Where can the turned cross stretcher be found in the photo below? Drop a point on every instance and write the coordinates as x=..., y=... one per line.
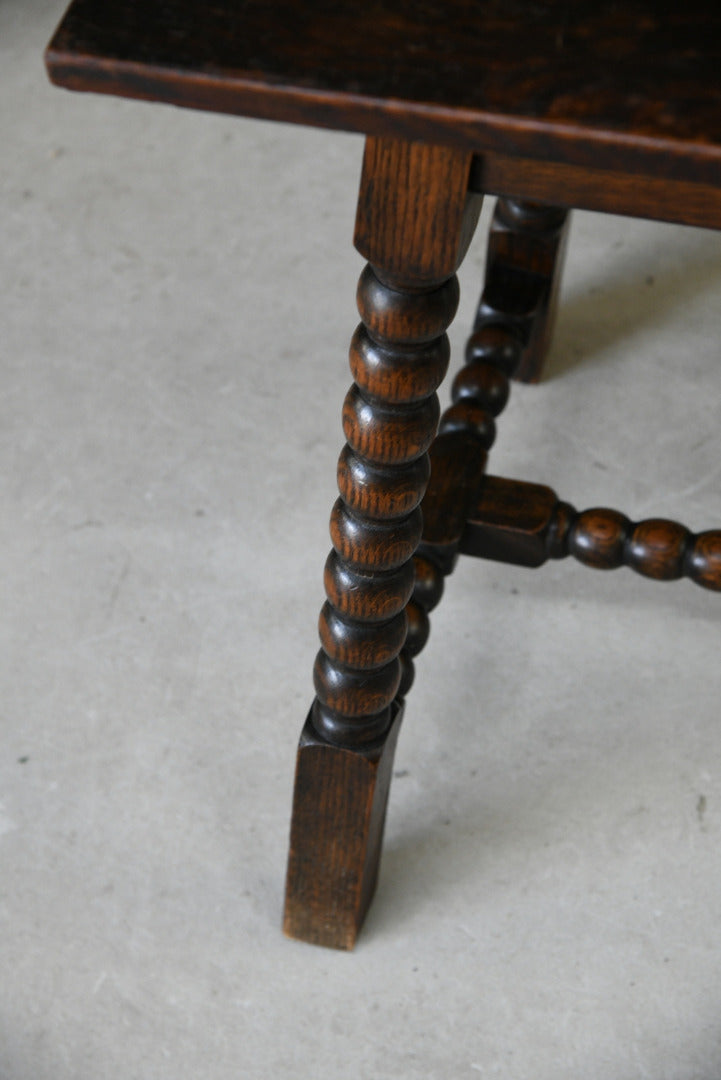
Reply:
x=549, y=106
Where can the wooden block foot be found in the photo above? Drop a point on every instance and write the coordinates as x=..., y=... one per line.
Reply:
x=339, y=810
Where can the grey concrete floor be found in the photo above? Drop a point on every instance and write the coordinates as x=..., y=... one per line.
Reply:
x=176, y=298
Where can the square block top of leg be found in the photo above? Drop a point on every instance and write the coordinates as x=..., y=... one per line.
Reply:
x=633, y=87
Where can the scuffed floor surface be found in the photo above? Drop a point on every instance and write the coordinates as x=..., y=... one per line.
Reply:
x=177, y=296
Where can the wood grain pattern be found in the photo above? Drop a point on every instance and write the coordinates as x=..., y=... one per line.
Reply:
x=634, y=85
x=397, y=177
x=516, y=522
x=336, y=837
x=458, y=461
x=526, y=251
x=602, y=105
x=527, y=524
x=415, y=216
x=609, y=190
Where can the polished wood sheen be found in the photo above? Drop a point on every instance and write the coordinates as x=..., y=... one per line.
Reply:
x=415, y=219
x=605, y=85
x=527, y=524
x=612, y=190
x=606, y=106
x=510, y=339
x=338, y=794
x=524, y=263
x=389, y=423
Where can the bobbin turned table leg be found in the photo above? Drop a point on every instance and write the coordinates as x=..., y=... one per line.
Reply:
x=414, y=222
x=526, y=252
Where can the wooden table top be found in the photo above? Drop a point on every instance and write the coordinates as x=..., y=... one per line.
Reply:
x=633, y=85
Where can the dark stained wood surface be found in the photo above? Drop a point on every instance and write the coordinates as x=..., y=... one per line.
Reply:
x=609, y=190
x=527, y=524
x=399, y=355
x=414, y=220
x=524, y=263
x=634, y=86
x=336, y=836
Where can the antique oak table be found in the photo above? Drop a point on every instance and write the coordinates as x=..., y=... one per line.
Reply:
x=603, y=106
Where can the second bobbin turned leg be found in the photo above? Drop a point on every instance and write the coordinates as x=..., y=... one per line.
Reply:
x=526, y=251
x=415, y=220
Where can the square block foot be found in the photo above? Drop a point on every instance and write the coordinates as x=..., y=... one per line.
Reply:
x=339, y=810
